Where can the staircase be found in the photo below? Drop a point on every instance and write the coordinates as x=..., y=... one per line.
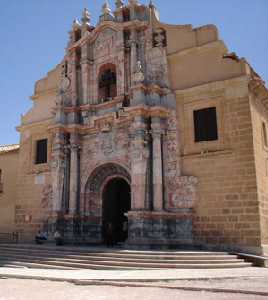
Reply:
x=75, y=258
x=7, y=237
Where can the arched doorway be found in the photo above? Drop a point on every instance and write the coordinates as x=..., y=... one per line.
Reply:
x=116, y=202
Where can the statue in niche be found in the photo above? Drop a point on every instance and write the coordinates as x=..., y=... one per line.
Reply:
x=159, y=38
x=64, y=87
x=138, y=75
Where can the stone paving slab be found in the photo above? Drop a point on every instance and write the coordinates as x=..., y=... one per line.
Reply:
x=19, y=289
x=132, y=275
x=208, y=285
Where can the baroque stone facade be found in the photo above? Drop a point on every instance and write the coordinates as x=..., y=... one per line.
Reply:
x=126, y=143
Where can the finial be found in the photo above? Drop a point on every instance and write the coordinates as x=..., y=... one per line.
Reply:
x=106, y=13
x=119, y=4
x=151, y=5
x=76, y=23
x=106, y=8
x=86, y=16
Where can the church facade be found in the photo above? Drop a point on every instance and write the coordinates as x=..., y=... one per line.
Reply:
x=152, y=128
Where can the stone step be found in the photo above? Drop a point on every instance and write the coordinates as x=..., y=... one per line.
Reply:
x=81, y=259
x=146, y=265
x=118, y=256
x=33, y=256
x=36, y=264
x=67, y=264
x=29, y=264
x=73, y=266
x=106, y=250
x=121, y=253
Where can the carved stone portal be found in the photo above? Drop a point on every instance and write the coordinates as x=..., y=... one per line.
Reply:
x=100, y=174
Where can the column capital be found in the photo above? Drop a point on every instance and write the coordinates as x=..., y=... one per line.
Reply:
x=75, y=147
x=156, y=134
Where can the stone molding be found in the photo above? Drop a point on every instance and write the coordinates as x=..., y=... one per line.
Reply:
x=99, y=174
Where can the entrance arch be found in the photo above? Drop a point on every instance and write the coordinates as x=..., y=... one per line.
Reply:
x=104, y=183
x=116, y=202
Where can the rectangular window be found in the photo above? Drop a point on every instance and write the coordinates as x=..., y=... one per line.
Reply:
x=205, y=124
x=264, y=134
x=41, y=152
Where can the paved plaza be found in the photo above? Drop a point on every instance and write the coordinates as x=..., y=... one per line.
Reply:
x=21, y=289
x=242, y=283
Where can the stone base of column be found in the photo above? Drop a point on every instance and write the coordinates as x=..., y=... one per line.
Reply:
x=160, y=229
x=77, y=229
x=92, y=230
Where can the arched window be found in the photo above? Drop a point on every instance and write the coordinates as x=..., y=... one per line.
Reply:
x=107, y=83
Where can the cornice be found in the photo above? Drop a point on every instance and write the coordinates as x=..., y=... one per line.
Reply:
x=98, y=124
x=212, y=85
x=87, y=107
x=44, y=93
x=205, y=47
x=46, y=122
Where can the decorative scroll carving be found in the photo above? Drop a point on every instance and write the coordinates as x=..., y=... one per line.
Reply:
x=47, y=193
x=182, y=193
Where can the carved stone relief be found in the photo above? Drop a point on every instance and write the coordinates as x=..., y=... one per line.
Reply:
x=182, y=193
x=108, y=145
x=105, y=43
x=98, y=177
x=46, y=200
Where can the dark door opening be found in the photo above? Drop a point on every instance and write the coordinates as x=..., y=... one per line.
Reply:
x=116, y=202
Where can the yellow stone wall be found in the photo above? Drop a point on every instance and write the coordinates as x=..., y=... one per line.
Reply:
x=227, y=208
x=8, y=165
x=260, y=117
x=33, y=183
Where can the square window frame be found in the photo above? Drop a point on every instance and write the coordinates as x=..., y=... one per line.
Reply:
x=210, y=139
x=188, y=129
x=36, y=144
x=39, y=168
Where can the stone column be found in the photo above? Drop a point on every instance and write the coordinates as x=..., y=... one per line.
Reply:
x=73, y=79
x=157, y=164
x=139, y=165
x=57, y=170
x=85, y=74
x=74, y=173
x=133, y=54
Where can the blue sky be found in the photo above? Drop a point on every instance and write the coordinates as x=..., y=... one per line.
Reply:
x=34, y=34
